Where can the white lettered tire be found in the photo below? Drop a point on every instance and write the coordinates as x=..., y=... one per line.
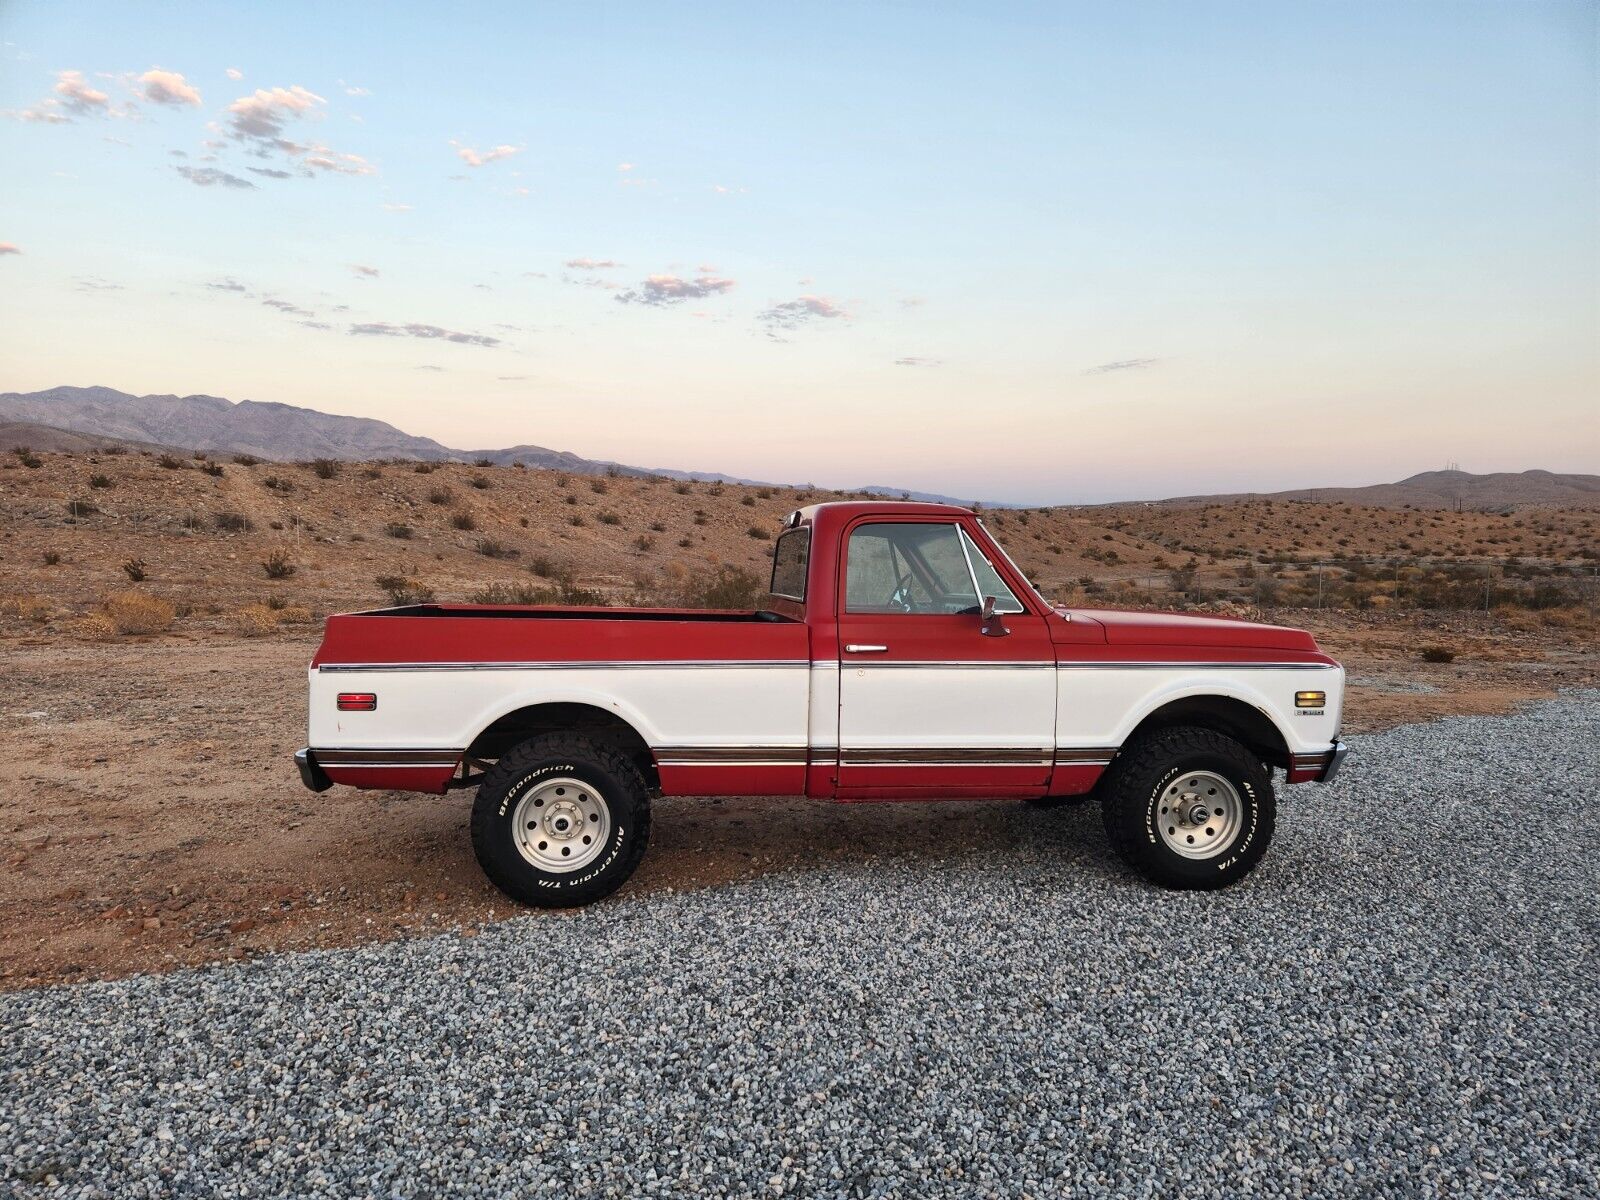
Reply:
x=1189, y=808
x=560, y=821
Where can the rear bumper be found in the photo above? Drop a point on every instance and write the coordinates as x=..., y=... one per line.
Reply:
x=311, y=772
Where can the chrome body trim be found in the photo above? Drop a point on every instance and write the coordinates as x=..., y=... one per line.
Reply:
x=617, y=665
x=1201, y=666
x=768, y=664
x=388, y=757
x=943, y=756
x=731, y=756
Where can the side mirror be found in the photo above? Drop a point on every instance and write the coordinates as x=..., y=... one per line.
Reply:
x=992, y=626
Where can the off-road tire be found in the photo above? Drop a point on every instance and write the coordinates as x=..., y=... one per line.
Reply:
x=1143, y=772
x=521, y=771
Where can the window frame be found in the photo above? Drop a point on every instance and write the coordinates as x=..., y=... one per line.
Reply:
x=805, y=566
x=969, y=547
x=844, y=565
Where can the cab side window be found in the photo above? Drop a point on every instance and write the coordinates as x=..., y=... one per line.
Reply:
x=908, y=568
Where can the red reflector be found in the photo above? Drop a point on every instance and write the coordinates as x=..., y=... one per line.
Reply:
x=357, y=701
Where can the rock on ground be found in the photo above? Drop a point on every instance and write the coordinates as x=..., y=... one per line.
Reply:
x=1400, y=1002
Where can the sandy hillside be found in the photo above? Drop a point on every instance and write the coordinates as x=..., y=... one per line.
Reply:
x=149, y=813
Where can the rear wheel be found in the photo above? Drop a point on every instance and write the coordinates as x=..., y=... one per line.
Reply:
x=1189, y=808
x=560, y=821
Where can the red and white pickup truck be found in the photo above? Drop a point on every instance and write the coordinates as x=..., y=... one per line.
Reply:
x=901, y=656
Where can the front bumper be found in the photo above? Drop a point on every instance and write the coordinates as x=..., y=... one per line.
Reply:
x=311, y=772
x=1335, y=761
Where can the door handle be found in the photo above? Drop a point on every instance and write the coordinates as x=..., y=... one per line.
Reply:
x=862, y=648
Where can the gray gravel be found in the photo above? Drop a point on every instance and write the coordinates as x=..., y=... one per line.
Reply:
x=1400, y=1002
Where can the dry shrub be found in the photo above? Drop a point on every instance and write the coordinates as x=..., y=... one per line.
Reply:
x=95, y=626
x=295, y=614
x=254, y=620
x=1529, y=620
x=138, y=612
x=25, y=608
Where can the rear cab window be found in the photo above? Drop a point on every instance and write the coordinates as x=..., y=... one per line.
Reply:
x=790, y=558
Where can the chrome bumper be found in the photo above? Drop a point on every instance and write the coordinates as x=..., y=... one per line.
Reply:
x=1335, y=761
x=311, y=772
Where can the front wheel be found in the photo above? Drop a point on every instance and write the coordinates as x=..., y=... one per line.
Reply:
x=560, y=821
x=1189, y=808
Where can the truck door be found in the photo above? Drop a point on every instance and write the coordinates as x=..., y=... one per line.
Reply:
x=929, y=705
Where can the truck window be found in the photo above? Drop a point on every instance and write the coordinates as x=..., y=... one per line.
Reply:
x=909, y=568
x=789, y=559
x=989, y=581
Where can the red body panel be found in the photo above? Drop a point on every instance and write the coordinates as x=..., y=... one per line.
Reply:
x=470, y=638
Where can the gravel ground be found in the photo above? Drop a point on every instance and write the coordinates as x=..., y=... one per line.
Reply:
x=1399, y=1002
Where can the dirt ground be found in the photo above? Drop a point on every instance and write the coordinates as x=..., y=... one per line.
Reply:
x=150, y=815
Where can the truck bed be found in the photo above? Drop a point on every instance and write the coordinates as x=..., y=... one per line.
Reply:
x=493, y=634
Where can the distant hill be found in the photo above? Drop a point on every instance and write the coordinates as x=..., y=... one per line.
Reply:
x=271, y=430
x=1441, y=489
x=53, y=440
x=75, y=419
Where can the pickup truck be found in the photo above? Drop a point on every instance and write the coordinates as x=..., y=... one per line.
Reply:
x=900, y=655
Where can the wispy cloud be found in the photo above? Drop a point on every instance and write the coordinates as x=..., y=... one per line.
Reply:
x=1122, y=364
x=226, y=285
x=592, y=264
x=917, y=360
x=661, y=290
x=805, y=310
x=397, y=208
x=480, y=158
x=335, y=162
x=283, y=306
x=77, y=95
x=234, y=74
x=9, y=248
x=263, y=116
x=168, y=87
x=363, y=271
x=425, y=332
x=260, y=123
x=212, y=177
x=270, y=172
x=74, y=97
x=93, y=283
x=428, y=367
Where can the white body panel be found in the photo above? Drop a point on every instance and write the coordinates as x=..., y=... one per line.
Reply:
x=822, y=704
x=690, y=705
x=1101, y=705
x=920, y=706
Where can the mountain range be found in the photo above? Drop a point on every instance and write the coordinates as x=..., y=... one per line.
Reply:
x=81, y=418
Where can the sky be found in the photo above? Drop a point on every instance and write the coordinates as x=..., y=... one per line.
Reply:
x=1034, y=254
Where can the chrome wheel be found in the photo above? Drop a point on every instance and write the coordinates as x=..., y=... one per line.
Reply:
x=1200, y=814
x=561, y=825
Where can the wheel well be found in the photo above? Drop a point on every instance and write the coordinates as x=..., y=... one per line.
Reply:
x=1238, y=720
x=595, y=723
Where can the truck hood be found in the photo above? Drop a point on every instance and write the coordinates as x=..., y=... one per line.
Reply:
x=1184, y=629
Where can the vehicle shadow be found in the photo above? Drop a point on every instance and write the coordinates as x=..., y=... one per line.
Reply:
x=702, y=843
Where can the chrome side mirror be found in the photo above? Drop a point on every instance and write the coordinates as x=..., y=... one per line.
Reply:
x=992, y=626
